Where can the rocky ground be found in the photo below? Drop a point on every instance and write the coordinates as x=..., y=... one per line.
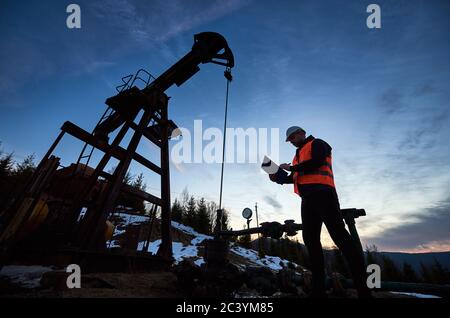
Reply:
x=146, y=285
x=246, y=275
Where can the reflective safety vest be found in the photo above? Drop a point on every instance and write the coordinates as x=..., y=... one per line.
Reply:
x=322, y=175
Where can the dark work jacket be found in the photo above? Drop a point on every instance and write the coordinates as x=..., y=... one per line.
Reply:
x=320, y=150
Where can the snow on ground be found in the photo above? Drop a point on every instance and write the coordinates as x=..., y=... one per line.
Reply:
x=113, y=244
x=129, y=219
x=126, y=220
x=272, y=262
x=416, y=295
x=152, y=246
x=180, y=252
x=189, y=230
x=118, y=232
x=26, y=276
x=199, y=262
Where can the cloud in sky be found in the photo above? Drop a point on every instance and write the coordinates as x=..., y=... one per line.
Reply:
x=163, y=19
x=403, y=172
x=392, y=101
x=419, y=231
x=273, y=202
x=109, y=31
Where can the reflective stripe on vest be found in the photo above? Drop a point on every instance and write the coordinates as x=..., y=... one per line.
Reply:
x=323, y=175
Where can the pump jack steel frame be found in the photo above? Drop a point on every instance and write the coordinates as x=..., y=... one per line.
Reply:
x=154, y=124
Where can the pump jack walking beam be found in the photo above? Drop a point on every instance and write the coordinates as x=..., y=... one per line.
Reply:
x=208, y=47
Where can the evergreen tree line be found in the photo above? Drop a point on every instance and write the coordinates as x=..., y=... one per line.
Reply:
x=433, y=273
x=292, y=250
x=197, y=213
x=13, y=176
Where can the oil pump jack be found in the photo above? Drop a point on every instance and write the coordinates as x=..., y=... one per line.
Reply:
x=51, y=202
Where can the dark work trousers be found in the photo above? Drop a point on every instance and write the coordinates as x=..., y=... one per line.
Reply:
x=323, y=207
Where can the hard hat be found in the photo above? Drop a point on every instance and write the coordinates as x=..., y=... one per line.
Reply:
x=291, y=130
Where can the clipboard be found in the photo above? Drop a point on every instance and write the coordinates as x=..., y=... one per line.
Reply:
x=271, y=167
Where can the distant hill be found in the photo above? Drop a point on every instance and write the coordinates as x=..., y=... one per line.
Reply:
x=416, y=258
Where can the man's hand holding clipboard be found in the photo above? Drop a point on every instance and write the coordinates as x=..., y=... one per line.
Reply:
x=276, y=174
